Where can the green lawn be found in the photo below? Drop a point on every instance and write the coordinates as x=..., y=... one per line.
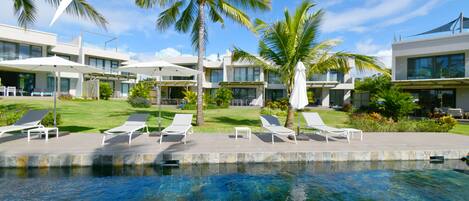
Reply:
x=96, y=116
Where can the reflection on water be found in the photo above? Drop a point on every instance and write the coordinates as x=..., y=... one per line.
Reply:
x=274, y=181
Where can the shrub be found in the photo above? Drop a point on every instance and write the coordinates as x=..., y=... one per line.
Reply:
x=374, y=123
x=194, y=107
x=374, y=84
x=281, y=104
x=66, y=97
x=347, y=107
x=105, y=90
x=393, y=104
x=141, y=89
x=190, y=96
x=48, y=120
x=223, y=97
x=139, y=102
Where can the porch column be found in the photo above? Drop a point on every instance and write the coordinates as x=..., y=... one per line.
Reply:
x=325, y=97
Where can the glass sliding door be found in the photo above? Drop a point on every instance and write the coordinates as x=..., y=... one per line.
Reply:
x=125, y=89
x=64, y=85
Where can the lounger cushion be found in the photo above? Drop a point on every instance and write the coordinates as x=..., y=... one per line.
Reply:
x=280, y=130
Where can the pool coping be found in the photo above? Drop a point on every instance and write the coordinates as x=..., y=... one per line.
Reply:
x=44, y=160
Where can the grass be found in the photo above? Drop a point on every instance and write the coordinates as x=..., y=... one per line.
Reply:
x=97, y=116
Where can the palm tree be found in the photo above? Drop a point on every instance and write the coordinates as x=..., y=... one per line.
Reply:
x=284, y=43
x=26, y=11
x=190, y=15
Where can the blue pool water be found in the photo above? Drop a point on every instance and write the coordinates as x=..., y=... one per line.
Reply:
x=310, y=181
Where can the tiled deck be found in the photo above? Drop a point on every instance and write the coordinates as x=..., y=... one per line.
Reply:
x=86, y=149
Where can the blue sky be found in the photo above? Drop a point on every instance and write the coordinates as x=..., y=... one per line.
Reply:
x=364, y=26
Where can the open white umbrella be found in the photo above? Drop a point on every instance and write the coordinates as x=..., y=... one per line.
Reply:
x=299, y=95
x=158, y=68
x=54, y=65
x=62, y=7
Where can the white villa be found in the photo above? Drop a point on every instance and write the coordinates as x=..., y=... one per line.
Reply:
x=18, y=43
x=434, y=69
x=251, y=85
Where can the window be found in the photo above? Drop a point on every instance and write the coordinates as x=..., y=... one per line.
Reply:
x=64, y=85
x=336, y=76
x=36, y=51
x=273, y=78
x=244, y=93
x=242, y=74
x=9, y=51
x=445, y=66
x=428, y=99
x=25, y=51
x=114, y=64
x=336, y=97
x=274, y=94
x=216, y=75
x=318, y=77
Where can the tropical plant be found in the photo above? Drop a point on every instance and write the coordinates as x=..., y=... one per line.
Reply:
x=223, y=97
x=105, y=90
x=139, y=102
x=141, y=89
x=373, y=84
x=393, y=103
x=26, y=11
x=190, y=15
x=190, y=96
x=284, y=43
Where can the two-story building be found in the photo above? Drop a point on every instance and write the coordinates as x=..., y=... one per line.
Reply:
x=253, y=85
x=435, y=70
x=18, y=43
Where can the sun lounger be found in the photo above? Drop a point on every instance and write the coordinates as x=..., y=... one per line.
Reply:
x=134, y=123
x=181, y=125
x=32, y=119
x=272, y=124
x=314, y=121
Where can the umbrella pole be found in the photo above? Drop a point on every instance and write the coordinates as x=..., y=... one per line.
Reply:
x=298, y=127
x=55, y=99
x=158, y=99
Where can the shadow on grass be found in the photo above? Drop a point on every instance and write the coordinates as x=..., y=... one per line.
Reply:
x=236, y=122
x=75, y=129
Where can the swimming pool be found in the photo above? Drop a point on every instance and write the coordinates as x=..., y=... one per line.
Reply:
x=307, y=181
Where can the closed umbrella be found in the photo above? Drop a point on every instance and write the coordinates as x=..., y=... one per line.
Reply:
x=54, y=65
x=158, y=68
x=299, y=95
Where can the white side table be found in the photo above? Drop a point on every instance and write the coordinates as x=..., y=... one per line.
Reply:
x=42, y=130
x=247, y=130
x=352, y=131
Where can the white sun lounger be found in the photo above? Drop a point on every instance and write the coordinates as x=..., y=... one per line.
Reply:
x=134, y=123
x=181, y=125
x=272, y=124
x=314, y=121
x=32, y=119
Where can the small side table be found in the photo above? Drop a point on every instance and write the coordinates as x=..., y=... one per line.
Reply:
x=42, y=130
x=247, y=130
x=351, y=131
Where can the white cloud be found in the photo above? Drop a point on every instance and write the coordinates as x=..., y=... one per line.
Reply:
x=363, y=18
x=167, y=52
x=215, y=57
x=368, y=47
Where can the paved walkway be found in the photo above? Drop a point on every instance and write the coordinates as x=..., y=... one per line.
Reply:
x=383, y=145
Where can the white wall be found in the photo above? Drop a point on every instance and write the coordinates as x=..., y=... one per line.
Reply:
x=462, y=98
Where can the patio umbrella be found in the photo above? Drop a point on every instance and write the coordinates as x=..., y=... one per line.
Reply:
x=158, y=68
x=54, y=65
x=299, y=95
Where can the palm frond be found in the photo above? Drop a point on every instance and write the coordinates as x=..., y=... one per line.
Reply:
x=243, y=56
x=81, y=8
x=168, y=16
x=195, y=34
x=26, y=12
x=184, y=23
x=214, y=14
x=252, y=4
x=234, y=13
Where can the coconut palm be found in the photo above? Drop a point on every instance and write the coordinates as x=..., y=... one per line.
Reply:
x=191, y=15
x=284, y=43
x=26, y=11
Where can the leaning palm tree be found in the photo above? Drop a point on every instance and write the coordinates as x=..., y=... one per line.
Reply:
x=26, y=11
x=284, y=43
x=190, y=15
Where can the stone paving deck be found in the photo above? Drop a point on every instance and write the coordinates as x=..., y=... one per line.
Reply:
x=86, y=149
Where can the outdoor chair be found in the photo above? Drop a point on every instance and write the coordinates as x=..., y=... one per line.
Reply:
x=3, y=90
x=181, y=125
x=314, y=121
x=32, y=119
x=456, y=112
x=11, y=90
x=134, y=123
x=272, y=125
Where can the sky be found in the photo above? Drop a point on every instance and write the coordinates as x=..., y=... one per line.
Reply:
x=364, y=26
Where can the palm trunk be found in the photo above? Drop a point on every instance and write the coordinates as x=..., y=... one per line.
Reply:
x=290, y=111
x=200, y=65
